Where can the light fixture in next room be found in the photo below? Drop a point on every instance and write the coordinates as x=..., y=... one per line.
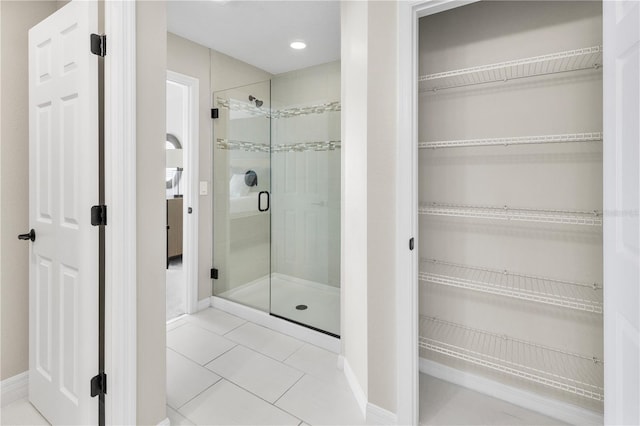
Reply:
x=298, y=45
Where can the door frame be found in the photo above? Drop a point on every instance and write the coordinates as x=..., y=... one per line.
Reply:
x=191, y=158
x=407, y=357
x=407, y=366
x=121, y=198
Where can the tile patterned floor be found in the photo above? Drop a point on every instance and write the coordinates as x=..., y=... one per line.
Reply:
x=223, y=370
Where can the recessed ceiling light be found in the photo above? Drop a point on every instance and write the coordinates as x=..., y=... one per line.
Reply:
x=298, y=45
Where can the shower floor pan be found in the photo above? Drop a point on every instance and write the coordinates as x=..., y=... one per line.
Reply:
x=322, y=301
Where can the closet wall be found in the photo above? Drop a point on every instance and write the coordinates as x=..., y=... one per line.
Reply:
x=555, y=176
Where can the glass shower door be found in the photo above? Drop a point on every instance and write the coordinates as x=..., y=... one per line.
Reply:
x=242, y=185
x=305, y=217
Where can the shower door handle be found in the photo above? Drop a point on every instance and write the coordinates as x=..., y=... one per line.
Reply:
x=260, y=201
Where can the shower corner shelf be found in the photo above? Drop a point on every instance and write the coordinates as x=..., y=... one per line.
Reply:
x=566, y=294
x=554, y=63
x=564, y=217
x=515, y=140
x=573, y=373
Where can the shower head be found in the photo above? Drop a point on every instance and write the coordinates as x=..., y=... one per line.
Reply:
x=256, y=100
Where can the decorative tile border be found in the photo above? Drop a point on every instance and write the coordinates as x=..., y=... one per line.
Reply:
x=308, y=146
x=249, y=108
x=307, y=110
x=233, y=145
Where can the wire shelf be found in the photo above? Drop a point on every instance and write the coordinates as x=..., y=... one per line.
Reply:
x=577, y=374
x=566, y=294
x=565, y=217
x=517, y=140
x=554, y=63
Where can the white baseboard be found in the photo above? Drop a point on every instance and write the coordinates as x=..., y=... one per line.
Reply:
x=308, y=335
x=165, y=422
x=379, y=416
x=204, y=304
x=14, y=388
x=373, y=414
x=549, y=407
x=361, y=397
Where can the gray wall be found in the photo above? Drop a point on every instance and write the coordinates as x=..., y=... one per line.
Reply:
x=16, y=18
x=381, y=202
x=353, y=273
x=151, y=80
x=369, y=53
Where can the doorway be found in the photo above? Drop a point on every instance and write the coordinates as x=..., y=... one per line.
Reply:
x=181, y=194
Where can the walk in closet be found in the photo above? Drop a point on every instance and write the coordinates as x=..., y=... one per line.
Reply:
x=510, y=197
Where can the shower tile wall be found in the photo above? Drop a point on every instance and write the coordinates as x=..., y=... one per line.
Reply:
x=305, y=174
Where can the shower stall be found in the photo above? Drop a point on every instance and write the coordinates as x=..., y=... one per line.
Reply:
x=276, y=197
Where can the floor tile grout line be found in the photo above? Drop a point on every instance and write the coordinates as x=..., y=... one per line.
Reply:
x=197, y=395
x=267, y=355
x=190, y=321
x=236, y=328
x=180, y=414
x=294, y=352
x=181, y=323
x=259, y=353
x=206, y=362
x=236, y=343
x=250, y=392
x=288, y=389
x=273, y=331
x=205, y=329
x=218, y=356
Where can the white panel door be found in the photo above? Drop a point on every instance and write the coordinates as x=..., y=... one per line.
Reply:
x=63, y=185
x=621, y=25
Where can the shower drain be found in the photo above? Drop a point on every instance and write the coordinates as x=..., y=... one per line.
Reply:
x=301, y=307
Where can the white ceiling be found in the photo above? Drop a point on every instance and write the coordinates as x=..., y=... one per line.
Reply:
x=259, y=32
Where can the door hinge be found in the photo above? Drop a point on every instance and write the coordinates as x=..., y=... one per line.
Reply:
x=215, y=113
x=98, y=384
x=99, y=215
x=411, y=244
x=99, y=44
x=214, y=274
